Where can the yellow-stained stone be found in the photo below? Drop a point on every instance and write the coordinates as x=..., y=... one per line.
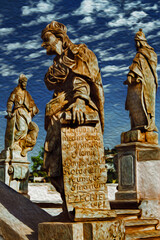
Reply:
x=152, y=137
x=98, y=230
x=84, y=172
x=93, y=214
x=138, y=136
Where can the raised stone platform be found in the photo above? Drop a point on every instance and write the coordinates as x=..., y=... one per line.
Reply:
x=139, y=179
x=138, y=136
x=14, y=170
x=82, y=231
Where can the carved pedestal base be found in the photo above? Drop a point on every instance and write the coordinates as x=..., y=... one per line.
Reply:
x=138, y=136
x=82, y=231
x=139, y=178
x=14, y=170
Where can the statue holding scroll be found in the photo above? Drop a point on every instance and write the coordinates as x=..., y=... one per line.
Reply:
x=79, y=99
x=142, y=86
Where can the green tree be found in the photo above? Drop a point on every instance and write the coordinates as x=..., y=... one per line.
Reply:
x=37, y=169
x=111, y=163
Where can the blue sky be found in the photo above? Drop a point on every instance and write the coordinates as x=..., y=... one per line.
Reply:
x=107, y=27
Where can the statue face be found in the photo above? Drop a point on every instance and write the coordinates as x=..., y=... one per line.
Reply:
x=52, y=44
x=23, y=85
x=138, y=45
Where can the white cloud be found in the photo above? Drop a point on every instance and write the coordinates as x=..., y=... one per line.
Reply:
x=29, y=75
x=106, y=88
x=7, y=70
x=86, y=7
x=98, y=7
x=47, y=18
x=87, y=19
x=116, y=57
x=121, y=45
x=41, y=7
x=130, y=5
x=138, y=14
x=6, y=31
x=34, y=55
x=47, y=63
x=3, y=113
x=150, y=7
x=123, y=21
x=111, y=10
x=31, y=44
x=113, y=68
x=147, y=26
x=158, y=67
x=13, y=46
x=95, y=37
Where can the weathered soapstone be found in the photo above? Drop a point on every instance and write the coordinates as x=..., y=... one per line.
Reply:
x=82, y=231
x=142, y=84
x=74, y=151
x=20, y=137
x=139, y=152
x=138, y=136
x=19, y=217
x=132, y=158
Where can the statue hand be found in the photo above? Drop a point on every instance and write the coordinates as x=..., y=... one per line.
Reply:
x=128, y=81
x=78, y=111
x=10, y=115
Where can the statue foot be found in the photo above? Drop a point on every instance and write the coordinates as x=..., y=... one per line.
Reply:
x=23, y=153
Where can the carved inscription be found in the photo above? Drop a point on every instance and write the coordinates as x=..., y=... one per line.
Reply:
x=84, y=169
x=127, y=170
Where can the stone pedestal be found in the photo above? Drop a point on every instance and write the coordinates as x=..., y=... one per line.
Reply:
x=139, y=175
x=14, y=170
x=82, y=231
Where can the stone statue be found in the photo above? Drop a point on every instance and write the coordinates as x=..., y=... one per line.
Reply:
x=78, y=95
x=21, y=132
x=142, y=85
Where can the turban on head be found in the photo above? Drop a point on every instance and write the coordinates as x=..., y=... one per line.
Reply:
x=55, y=28
x=140, y=36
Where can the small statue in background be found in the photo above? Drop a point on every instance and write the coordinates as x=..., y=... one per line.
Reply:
x=21, y=109
x=142, y=86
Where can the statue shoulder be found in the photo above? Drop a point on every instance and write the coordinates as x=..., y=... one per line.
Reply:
x=14, y=92
x=82, y=51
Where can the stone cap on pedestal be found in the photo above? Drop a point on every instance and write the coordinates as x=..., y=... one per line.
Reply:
x=145, y=151
x=138, y=136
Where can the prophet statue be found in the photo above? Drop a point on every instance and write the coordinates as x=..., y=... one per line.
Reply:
x=21, y=132
x=76, y=81
x=142, y=84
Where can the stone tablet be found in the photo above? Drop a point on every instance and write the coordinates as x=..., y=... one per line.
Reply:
x=84, y=171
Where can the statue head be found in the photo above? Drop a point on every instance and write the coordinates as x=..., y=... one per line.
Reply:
x=54, y=38
x=141, y=40
x=140, y=36
x=23, y=81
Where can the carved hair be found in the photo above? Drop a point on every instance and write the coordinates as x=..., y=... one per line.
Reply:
x=59, y=30
x=22, y=78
